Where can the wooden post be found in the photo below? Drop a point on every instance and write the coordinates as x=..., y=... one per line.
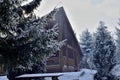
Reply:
x=55, y=78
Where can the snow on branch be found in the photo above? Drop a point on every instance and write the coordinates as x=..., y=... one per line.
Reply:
x=31, y=6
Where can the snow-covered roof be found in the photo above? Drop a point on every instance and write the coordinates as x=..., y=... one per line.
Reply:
x=39, y=75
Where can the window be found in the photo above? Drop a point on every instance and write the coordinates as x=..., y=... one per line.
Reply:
x=52, y=62
x=64, y=50
x=70, y=53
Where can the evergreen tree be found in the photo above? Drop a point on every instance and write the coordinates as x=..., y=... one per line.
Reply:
x=25, y=42
x=117, y=56
x=104, y=50
x=86, y=43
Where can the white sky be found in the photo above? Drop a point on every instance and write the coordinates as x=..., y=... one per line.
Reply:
x=85, y=14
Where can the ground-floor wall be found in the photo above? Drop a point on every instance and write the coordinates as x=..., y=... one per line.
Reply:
x=64, y=65
x=53, y=68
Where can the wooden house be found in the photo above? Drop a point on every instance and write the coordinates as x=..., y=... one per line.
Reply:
x=68, y=59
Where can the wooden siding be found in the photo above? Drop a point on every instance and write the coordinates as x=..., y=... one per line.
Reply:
x=70, y=54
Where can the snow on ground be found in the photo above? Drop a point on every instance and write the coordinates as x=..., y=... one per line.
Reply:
x=3, y=78
x=83, y=74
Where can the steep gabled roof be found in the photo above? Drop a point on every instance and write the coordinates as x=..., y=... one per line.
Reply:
x=63, y=22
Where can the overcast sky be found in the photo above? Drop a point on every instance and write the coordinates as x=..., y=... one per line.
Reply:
x=85, y=14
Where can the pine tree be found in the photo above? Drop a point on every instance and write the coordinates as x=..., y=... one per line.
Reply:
x=104, y=50
x=25, y=42
x=117, y=56
x=86, y=43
